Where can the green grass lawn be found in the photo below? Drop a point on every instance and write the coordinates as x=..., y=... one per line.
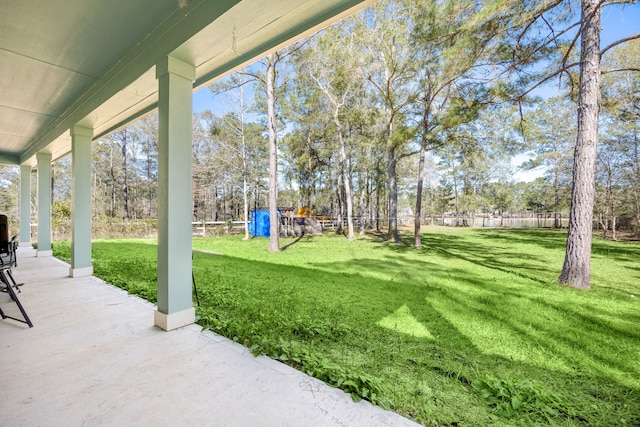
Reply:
x=471, y=330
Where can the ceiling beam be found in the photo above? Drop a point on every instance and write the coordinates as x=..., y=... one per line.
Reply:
x=306, y=28
x=168, y=36
x=8, y=159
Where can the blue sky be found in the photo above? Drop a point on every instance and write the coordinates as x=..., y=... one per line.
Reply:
x=618, y=21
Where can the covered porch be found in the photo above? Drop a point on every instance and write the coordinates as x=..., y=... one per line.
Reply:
x=73, y=71
x=94, y=357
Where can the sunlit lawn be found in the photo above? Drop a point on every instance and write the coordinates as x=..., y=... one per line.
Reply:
x=471, y=330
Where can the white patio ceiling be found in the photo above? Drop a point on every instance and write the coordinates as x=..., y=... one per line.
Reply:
x=67, y=62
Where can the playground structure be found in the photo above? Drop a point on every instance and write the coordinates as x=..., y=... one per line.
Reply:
x=302, y=222
x=292, y=222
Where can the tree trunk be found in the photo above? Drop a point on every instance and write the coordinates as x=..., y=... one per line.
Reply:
x=603, y=224
x=636, y=184
x=112, y=172
x=215, y=204
x=576, y=271
x=345, y=178
x=393, y=194
x=274, y=238
x=556, y=190
x=363, y=207
x=245, y=184
x=613, y=228
x=609, y=208
x=417, y=241
x=455, y=194
x=339, y=204
x=149, y=179
x=125, y=183
x=378, y=190
x=311, y=179
x=53, y=181
x=245, y=197
x=224, y=202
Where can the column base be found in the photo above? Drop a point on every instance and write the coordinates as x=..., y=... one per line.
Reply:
x=25, y=244
x=176, y=320
x=80, y=272
x=41, y=254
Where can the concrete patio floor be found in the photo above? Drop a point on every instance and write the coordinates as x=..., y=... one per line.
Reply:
x=94, y=358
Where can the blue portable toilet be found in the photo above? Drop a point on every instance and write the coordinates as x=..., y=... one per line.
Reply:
x=259, y=224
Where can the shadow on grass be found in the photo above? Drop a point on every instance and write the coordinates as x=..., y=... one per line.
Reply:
x=567, y=325
x=483, y=313
x=477, y=325
x=467, y=292
x=485, y=254
x=556, y=240
x=531, y=254
x=288, y=245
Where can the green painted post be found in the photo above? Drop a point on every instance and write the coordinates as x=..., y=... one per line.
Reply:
x=175, y=82
x=25, y=205
x=44, y=204
x=81, y=264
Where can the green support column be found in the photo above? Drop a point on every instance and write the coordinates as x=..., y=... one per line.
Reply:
x=175, y=82
x=25, y=205
x=44, y=204
x=81, y=264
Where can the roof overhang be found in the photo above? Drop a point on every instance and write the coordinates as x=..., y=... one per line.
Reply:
x=68, y=62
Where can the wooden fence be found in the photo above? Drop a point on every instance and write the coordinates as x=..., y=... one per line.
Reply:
x=199, y=228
